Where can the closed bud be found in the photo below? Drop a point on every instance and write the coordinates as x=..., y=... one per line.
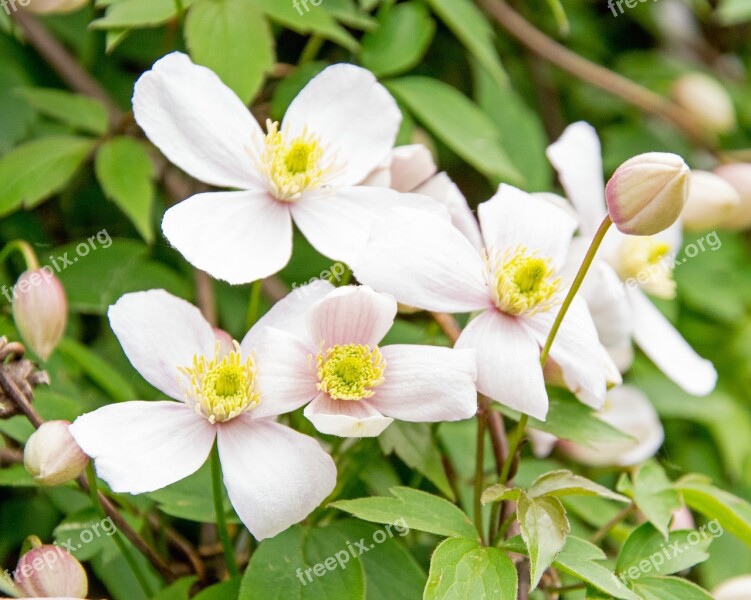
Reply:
x=40, y=310
x=52, y=456
x=54, y=6
x=707, y=101
x=710, y=201
x=51, y=572
x=647, y=193
x=739, y=176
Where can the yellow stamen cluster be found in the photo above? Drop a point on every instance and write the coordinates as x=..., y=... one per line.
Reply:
x=646, y=261
x=521, y=281
x=350, y=372
x=292, y=166
x=224, y=386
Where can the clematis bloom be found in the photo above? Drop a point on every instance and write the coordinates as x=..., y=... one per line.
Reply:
x=274, y=476
x=340, y=127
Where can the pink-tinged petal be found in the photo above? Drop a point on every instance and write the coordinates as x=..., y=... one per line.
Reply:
x=577, y=157
x=290, y=313
x=355, y=117
x=737, y=588
x=141, y=446
x=514, y=218
x=629, y=410
x=198, y=123
x=286, y=373
x=427, y=383
x=352, y=315
x=660, y=341
x=275, y=477
x=441, y=188
x=542, y=442
x=576, y=349
x=346, y=418
x=338, y=223
x=159, y=333
x=411, y=166
x=508, y=362
x=424, y=261
x=235, y=236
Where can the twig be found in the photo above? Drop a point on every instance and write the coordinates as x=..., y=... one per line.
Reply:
x=182, y=544
x=598, y=535
x=449, y=325
x=205, y=296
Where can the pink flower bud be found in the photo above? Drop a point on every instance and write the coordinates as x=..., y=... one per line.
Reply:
x=739, y=176
x=710, y=201
x=647, y=193
x=51, y=572
x=707, y=101
x=52, y=456
x=40, y=310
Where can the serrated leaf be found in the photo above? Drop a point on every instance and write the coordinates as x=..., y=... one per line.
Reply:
x=420, y=510
x=544, y=528
x=126, y=175
x=315, y=19
x=654, y=495
x=461, y=568
x=80, y=112
x=232, y=38
x=498, y=492
x=565, y=483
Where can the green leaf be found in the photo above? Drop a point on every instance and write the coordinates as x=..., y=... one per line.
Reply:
x=733, y=12
x=458, y=123
x=462, y=569
x=414, y=444
x=138, y=13
x=498, y=492
x=36, y=170
x=220, y=591
x=731, y=512
x=292, y=85
x=16, y=476
x=180, y=590
x=669, y=588
x=80, y=112
x=232, y=38
x=420, y=510
x=473, y=30
x=401, y=40
x=124, y=170
x=101, y=373
x=544, y=528
x=654, y=495
x=647, y=552
x=565, y=483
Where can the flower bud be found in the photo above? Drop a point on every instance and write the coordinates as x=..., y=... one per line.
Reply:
x=647, y=193
x=52, y=456
x=51, y=572
x=706, y=100
x=739, y=176
x=54, y=6
x=40, y=310
x=710, y=201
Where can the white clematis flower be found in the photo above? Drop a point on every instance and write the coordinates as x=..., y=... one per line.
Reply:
x=356, y=388
x=340, y=127
x=274, y=476
x=513, y=282
x=627, y=268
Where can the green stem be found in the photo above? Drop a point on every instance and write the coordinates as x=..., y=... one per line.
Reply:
x=504, y=526
x=29, y=256
x=603, y=531
x=479, y=469
x=514, y=440
x=121, y=545
x=221, y=520
x=254, y=303
x=311, y=49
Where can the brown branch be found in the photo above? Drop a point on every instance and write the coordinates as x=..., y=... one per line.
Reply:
x=448, y=324
x=182, y=544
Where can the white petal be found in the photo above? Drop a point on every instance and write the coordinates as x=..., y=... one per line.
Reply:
x=337, y=223
x=410, y=166
x=425, y=262
x=235, y=236
x=355, y=117
x=576, y=349
x=346, y=418
x=159, y=333
x=577, y=157
x=441, y=188
x=274, y=476
x=140, y=446
x=286, y=373
x=198, y=123
x=427, y=384
x=660, y=341
x=352, y=315
x=508, y=362
x=514, y=218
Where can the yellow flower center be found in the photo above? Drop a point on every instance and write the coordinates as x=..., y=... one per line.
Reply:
x=292, y=166
x=521, y=281
x=350, y=372
x=223, y=387
x=646, y=261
